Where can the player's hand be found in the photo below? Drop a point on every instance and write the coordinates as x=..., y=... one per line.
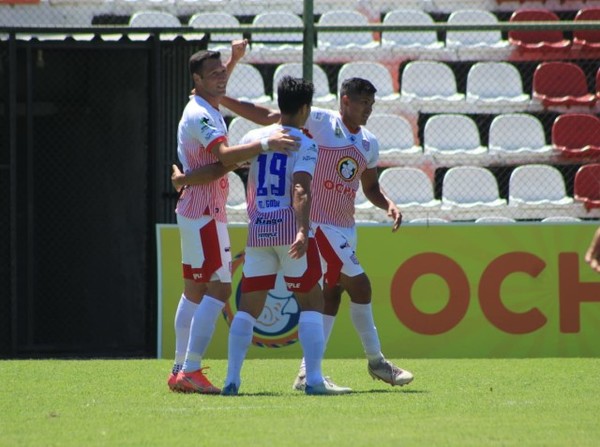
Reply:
x=177, y=178
x=592, y=256
x=238, y=49
x=282, y=141
x=299, y=247
x=396, y=215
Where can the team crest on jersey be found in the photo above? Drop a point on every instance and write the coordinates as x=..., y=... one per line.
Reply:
x=347, y=168
x=277, y=325
x=366, y=145
x=338, y=131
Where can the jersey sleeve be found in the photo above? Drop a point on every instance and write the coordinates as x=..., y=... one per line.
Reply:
x=373, y=152
x=317, y=121
x=307, y=157
x=206, y=130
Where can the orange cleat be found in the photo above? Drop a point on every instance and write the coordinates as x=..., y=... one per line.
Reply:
x=195, y=382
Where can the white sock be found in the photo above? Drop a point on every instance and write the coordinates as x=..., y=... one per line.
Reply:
x=183, y=321
x=310, y=333
x=328, y=321
x=201, y=331
x=240, y=337
x=362, y=318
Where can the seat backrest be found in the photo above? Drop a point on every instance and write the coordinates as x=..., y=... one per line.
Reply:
x=214, y=19
x=342, y=38
x=237, y=192
x=245, y=81
x=495, y=219
x=584, y=14
x=471, y=38
x=428, y=78
x=451, y=131
x=493, y=80
x=238, y=127
x=514, y=131
x=278, y=19
x=587, y=182
x=535, y=15
x=536, y=182
x=144, y=19
x=469, y=184
x=294, y=69
x=373, y=71
x=408, y=16
x=406, y=185
x=392, y=131
x=558, y=79
x=576, y=131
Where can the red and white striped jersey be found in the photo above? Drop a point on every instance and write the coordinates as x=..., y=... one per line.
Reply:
x=269, y=192
x=343, y=156
x=200, y=128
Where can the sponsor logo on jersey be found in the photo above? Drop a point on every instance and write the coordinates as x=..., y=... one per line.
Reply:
x=267, y=221
x=347, y=168
x=269, y=235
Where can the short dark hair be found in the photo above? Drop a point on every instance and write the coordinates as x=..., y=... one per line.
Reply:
x=197, y=59
x=293, y=93
x=357, y=86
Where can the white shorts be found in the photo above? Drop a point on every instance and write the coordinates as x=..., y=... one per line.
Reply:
x=337, y=246
x=205, y=249
x=261, y=265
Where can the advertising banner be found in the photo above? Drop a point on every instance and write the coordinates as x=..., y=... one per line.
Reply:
x=444, y=291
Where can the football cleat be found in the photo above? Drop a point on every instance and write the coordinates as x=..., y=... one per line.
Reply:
x=300, y=382
x=389, y=373
x=326, y=388
x=195, y=382
x=172, y=382
x=231, y=389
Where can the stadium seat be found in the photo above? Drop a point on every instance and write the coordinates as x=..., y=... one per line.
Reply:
x=561, y=84
x=218, y=41
x=544, y=40
x=474, y=39
x=246, y=84
x=363, y=209
x=284, y=41
x=496, y=84
x=238, y=127
x=429, y=82
x=560, y=219
x=587, y=39
x=597, y=84
x=495, y=219
x=375, y=72
x=410, y=189
x=236, y=200
x=538, y=191
x=577, y=135
x=470, y=192
x=158, y=19
x=517, y=138
x=587, y=186
x=344, y=39
x=409, y=39
x=396, y=139
x=453, y=139
x=322, y=97
x=429, y=221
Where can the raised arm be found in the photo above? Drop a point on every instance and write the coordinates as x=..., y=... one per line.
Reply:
x=253, y=112
x=238, y=50
x=301, y=200
x=200, y=176
x=373, y=192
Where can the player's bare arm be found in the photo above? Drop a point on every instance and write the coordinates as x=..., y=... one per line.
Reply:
x=200, y=176
x=592, y=256
x=253, y=112
x=238, y=50
x=301, y=200
x=373, y=192
x=280, y=141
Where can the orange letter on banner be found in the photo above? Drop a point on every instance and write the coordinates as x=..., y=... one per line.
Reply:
x=489, y=293
x=458, y=302
x=572, y=292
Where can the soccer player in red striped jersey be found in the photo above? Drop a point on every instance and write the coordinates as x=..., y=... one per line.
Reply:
x=201, y=213
x=348, y=155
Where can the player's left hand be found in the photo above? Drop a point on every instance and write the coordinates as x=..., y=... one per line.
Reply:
x=238, y=49
x=177, y=178
x=592, y=256
x=396, y=215
x=299, y=247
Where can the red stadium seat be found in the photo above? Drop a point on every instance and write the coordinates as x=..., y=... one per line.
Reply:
x=577, y=135
x=587, y=39
x=561, y=84
x=544, y=40
x=587, y=186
